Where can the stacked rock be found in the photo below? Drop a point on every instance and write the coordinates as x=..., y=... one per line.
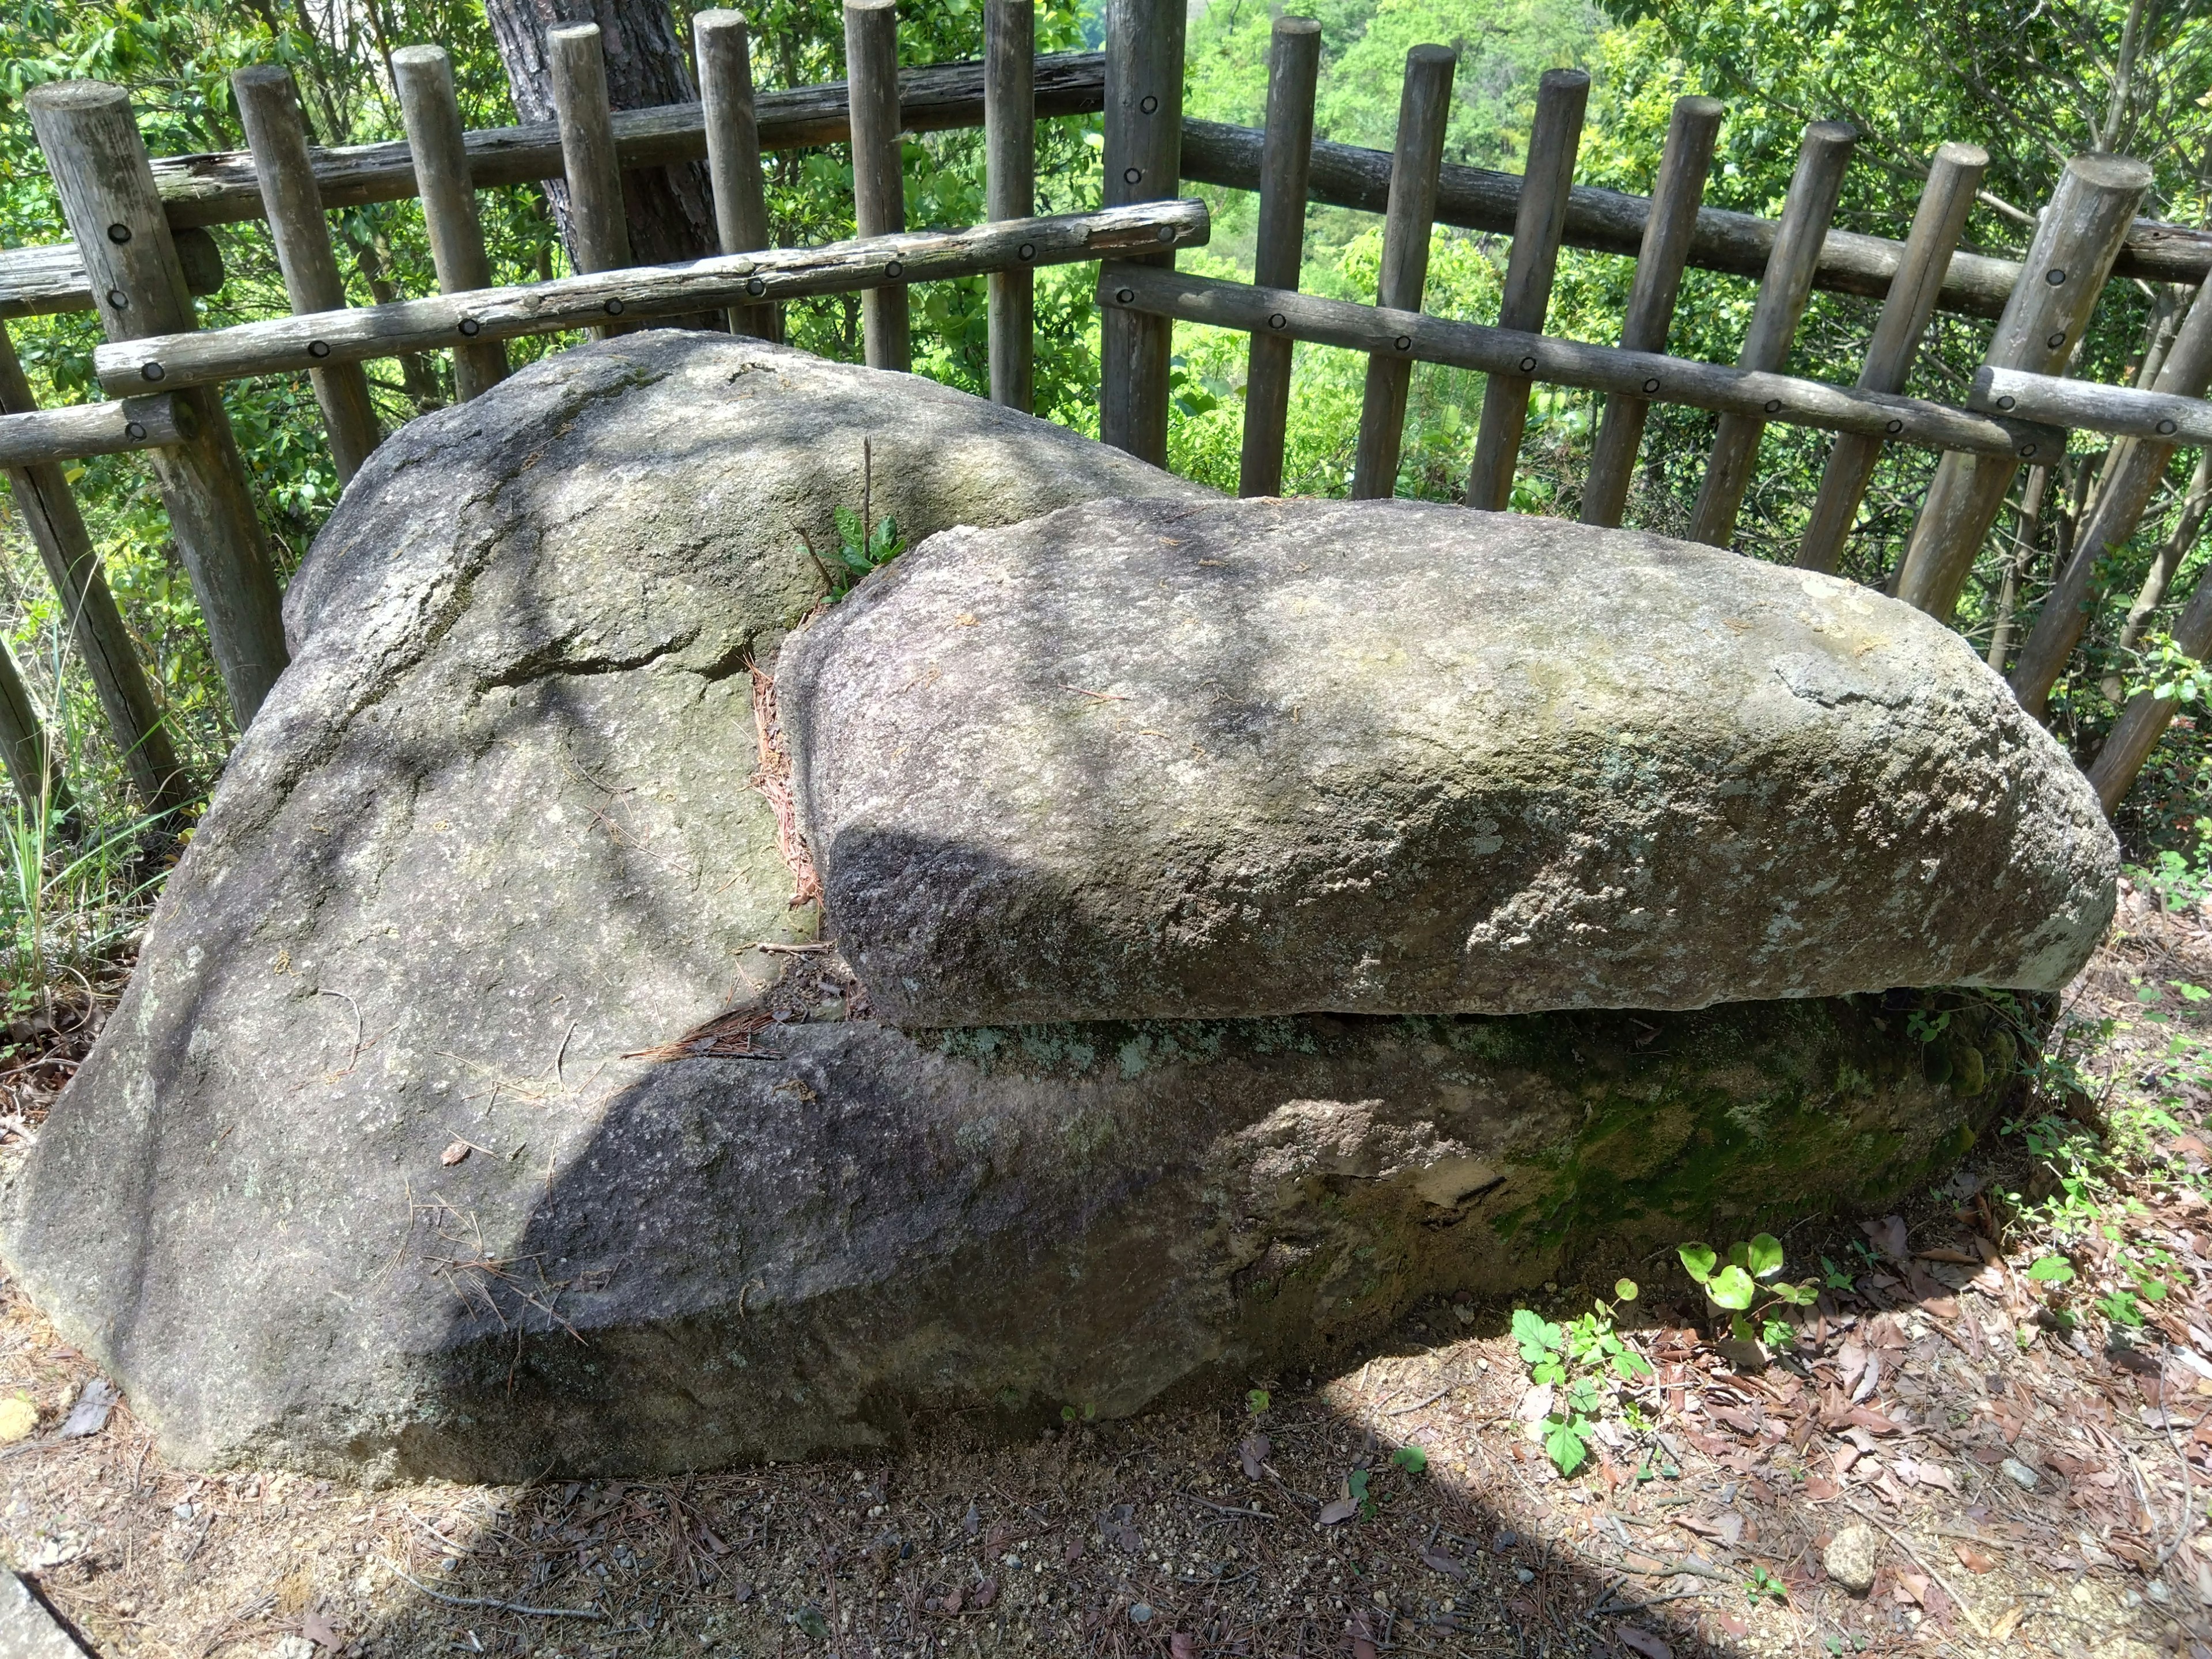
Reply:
x=1236, y=922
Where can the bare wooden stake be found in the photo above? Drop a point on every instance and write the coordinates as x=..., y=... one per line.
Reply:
x=58, y=531
x=269, y=105
x=1424, y=112
x=32, y=766
x=734, y=157
x=432, y=111
x=1144, y=160
x=2146, y=717
x=1783, y=292
x=2030, y=516
x=1691, y=133
x=1938, y=224
x=878, y=177
x=76, y=430
x=2067, y=263
x=2130, y=482
x=99, y=169
x=1293, y=71
x=1010, y=189
x=1553, y=142
x=596, y=215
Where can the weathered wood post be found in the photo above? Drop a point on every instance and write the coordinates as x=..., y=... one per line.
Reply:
x=588, y=156
x=1676, y=195
x=1286, y=164
x=1010, y=189
x=2129, y=483
x=2146, y=717
x=33, y=767
x=438, y=143
x=1937, y=224
x=269, y=105
x=2068, y=261
x=1424, y=112
x=1782, y=291
x=106, y=183
x=1554, y=140
x=724, y=49
x=878, y=177
x=58, y=531
x=1144, y=159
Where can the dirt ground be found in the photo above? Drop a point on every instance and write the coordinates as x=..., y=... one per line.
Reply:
x=2035, y=1467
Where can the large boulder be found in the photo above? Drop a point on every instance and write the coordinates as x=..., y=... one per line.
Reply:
x=1140, y=759
x=452, y=1124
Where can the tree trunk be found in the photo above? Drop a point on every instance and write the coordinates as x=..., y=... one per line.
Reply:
x=669, y=210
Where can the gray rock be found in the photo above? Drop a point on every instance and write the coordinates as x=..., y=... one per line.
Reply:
x=679, y=1264
x=1135, y=760
x=1849, y=1557
x=27, y=1630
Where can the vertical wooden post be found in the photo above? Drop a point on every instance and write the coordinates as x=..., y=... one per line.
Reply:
x=1286, y=164
x=269, y=105
x=1783, y=292
x=106, y=183
x=2068, y=261
x=725, y=52
x=2129, y=482
x=1144, y=158
x=878, y=180
x=1938, y=224
x=1009, y=188
x=26, y=749
x=436, y=140
x=1553, y=142
x=1424, y=112
x=2146, y=717
x=1676, y=196
x=50, y=514
x=587, y=155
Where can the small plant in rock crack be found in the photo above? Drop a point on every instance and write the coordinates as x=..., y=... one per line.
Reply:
x=1581, y=1361
x=863, y=541
x=1747, y=1288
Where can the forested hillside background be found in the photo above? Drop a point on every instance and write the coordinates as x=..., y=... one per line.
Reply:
x=2032, y=82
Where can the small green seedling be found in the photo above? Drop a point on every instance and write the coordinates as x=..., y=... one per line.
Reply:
x=1746, y=1286
x=1411, y=1458
x=1257, y=1403
x=1582, y=1360
x=1764, y=1583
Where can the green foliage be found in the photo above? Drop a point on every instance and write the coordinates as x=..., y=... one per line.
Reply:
x=1583, y=1360
x=1411, y=1458
x=1257, y=1402
x=1746, y=1287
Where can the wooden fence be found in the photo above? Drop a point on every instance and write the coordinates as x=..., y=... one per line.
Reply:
x=140, y=252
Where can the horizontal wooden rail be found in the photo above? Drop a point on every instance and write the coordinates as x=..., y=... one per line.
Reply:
x=35, y=282
x=2181, y=422
x=286, y=344
x=1647, y=374
x=220, y=188
x=76, y=430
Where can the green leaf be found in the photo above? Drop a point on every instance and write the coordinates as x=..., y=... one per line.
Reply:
x=1356, y=1484
x=2052, y=1270
x=1698, y=1259
x=1625, y=1289
x=1732, y=1287
x=1256, y=1402
x=1632, y=1365
x=1764, y=1253
x=1739, y=1255
x=1411, y=1458
x=1537, y=1335
x=1547, y=1370
x=1565, y=1447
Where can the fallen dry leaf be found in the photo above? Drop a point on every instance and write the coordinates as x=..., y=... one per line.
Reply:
x=454, y=1153
x=1342, y=1508
x=1972, y=1558
x=1643, y=1642
x=2006, y=1623
x=1888, y=1236
x=318, y=1628
x=1252, y=1452
x=1437, y=1561
x=1182, y=1645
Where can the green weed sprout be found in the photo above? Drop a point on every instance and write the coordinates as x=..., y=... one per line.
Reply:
x=1747, y=1287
